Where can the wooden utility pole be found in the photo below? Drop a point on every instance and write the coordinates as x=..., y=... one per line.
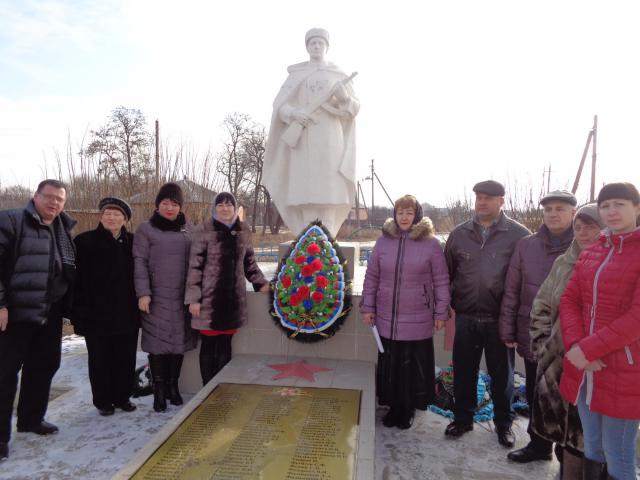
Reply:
x=548, y=175
x=590, y=138
x=157, y=153
x=373, y=179
x=358, y=204
x=361, y=197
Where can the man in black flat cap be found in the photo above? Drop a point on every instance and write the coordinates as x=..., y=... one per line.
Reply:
x=478, y=253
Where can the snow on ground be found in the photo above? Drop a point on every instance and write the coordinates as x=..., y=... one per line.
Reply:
x=423, y=453
x=89, y=446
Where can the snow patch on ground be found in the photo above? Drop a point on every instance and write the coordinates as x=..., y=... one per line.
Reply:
x=88, y=446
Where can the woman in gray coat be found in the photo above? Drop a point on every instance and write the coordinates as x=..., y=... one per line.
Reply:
x=161, y=255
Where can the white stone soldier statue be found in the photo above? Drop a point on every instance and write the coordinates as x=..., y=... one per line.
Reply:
x=309, y=166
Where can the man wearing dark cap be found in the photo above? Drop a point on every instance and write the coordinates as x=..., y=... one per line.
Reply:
x=478, y=253
x=37, y=269
x=530, y=264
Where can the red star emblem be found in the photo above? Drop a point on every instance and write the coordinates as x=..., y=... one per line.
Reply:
x=300, y=369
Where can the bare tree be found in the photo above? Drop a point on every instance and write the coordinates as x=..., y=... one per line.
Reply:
x=233, y=163
x=458, y=211
x=254, y=146
x=14, y=196
x=522, y=203
x=122, y=147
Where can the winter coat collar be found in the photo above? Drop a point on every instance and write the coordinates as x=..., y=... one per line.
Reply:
x=216, y=226
x=228, y=225
x=165, y=225
x=564, y=239
x=107, y=234
x=618, y=240
x=420, y=231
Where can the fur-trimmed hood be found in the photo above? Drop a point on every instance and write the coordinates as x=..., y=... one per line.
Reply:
x=420, y=231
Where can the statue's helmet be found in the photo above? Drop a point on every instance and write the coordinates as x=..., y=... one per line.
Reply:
x=316, y=32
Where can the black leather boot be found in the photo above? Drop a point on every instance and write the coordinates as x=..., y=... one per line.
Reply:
x=158, y=365
x=405, y=419
x=391, y=417
x=175, y=365
x=592, y=470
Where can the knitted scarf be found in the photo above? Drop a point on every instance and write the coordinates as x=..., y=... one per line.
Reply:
x=165, y=225
x=65, y=245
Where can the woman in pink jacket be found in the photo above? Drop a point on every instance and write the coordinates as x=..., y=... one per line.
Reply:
x=600, y=320
x=406, y=294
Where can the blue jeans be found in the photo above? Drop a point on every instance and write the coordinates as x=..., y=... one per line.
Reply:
x=610, y=440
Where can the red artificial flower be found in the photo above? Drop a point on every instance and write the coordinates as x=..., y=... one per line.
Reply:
x=300, y=259
x=322, y=281
x=294, y=300
x=286, y=282
x=317, y=297
x=307, y=271
x=317, y=265
x=313, y=249
x=303, y=291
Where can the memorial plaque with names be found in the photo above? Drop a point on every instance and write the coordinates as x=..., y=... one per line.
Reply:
x=263, y=432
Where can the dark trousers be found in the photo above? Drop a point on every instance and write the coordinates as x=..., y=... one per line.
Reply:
x=215, y=353
x=112, y=365
x=537, y=442
x=473, y=336
x=405, y=375
x=36, y=350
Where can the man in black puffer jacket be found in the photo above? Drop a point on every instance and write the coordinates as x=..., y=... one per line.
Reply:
x=37, y=268
x=478, y=253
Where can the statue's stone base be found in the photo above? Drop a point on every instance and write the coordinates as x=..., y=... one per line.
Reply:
x=350, y=250
x=255, y=370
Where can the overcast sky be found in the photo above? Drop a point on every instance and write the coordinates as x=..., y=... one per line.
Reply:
x=451, y=92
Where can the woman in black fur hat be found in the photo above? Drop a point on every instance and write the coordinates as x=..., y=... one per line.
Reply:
x=161, y=254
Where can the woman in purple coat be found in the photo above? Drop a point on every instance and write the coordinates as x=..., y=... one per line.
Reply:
x=161, y=249
x=406, y=295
